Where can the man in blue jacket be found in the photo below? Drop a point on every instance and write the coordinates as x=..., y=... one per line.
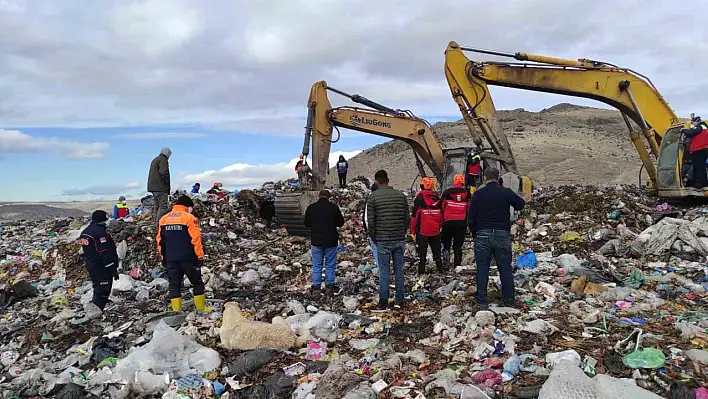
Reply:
x=490, y=224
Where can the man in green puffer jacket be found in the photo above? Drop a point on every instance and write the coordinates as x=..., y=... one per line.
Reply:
x=388, y=218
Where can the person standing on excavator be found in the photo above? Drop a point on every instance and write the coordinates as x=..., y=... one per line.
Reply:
x=455, y=202
x=426, y=220
x=474, y=169
x=698, y=147
x=342, y=169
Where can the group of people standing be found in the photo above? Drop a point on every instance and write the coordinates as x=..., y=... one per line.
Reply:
x=439, y=222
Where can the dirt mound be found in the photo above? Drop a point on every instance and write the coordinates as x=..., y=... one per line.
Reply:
x=564, y=144
x=36, y=212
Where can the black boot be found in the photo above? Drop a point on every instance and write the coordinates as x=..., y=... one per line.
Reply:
x=441, y=268
x=446, y=257
x=421, y=268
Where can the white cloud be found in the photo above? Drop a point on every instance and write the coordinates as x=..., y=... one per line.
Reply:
x=117, y=189
x=162, y=135
x=14, y=141
x=221, y=62
x=241, y=175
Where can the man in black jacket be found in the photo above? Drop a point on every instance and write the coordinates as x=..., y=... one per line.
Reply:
x=490, y=223
x=323, y=218
x=159, y=183
x=101, y=261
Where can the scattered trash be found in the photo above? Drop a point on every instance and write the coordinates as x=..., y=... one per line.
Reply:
x=593, y=264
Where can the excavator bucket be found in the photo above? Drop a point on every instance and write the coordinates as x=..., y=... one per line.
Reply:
x=290, y=211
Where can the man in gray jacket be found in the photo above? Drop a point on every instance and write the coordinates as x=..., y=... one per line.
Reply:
x=387, y=222
x=159, y=183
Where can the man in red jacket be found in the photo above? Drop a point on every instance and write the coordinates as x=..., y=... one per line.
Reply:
x=426, y=220
x=455, y=201
x=698, y=147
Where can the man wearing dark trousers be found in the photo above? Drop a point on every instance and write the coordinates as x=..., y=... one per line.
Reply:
x=179, y=241
x=426, y=219
x=323, y=218
x=455, y=201
x=159, y=183
x=342, y=169
x=490, y=223
x=698, y=146
x=101, y=261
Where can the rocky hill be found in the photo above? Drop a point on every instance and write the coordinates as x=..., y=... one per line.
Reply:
x=564, y=144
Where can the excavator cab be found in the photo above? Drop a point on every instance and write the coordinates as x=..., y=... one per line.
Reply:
x=674, y=167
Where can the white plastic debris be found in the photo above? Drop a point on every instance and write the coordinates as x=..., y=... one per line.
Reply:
x=568, y=381
x=324, y=325
x=540, y=327
x=125, y=283
x=168, y=352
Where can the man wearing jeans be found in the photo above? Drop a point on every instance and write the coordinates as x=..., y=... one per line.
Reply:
x=387, y=222
x=490, y=223
x=323, y=218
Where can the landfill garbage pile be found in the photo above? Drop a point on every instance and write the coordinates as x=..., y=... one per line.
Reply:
x=611, y=287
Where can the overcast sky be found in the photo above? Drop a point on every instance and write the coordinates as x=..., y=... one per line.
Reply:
x=91, y=90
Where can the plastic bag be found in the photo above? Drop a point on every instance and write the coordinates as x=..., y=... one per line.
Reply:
x=648, y=358
x=527, y=260
x=251, y=361
x=568, y=381
x=169, y=352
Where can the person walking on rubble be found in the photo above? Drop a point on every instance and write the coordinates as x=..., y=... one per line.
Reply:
x=179, y=242
x=455, y=202
x=371, y=242
x=426, y=220
x=490, y=224
x=698, y=147
x=159, y=183
x=120, y=209
x=323, y=218
x=342, y=168
x=387, y=221
x=101, y=259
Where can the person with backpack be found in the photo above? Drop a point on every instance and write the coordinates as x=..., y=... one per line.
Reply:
x=426, y=220
x=455, y=202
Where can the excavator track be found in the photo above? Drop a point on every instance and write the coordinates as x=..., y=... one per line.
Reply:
x=290, y=211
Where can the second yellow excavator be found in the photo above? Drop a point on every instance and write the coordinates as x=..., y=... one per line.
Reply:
x=633, y=94
x=377, y=119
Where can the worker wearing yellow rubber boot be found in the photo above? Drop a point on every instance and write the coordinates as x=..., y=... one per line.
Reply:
x=179, y=241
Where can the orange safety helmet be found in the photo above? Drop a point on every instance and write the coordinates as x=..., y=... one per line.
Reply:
x=458, y=179
x=427, y=183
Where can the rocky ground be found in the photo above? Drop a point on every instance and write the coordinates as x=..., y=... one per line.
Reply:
x=564, y=144
x=611, y=285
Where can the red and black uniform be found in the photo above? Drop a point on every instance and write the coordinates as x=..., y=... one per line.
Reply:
x=698, y=147
x=426, y=220
x=474, y=170
x=455, y=203
x=179, y=241
x=101, y=261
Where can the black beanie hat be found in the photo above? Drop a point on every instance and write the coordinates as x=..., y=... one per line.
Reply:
x=185, y=201
x=99, y=216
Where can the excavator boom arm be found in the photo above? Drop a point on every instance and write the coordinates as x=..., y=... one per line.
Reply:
x=381, y=121
x=632, y=94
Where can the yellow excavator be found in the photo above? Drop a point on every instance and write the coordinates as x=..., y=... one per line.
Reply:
x=633, y=94
x=378, y=119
